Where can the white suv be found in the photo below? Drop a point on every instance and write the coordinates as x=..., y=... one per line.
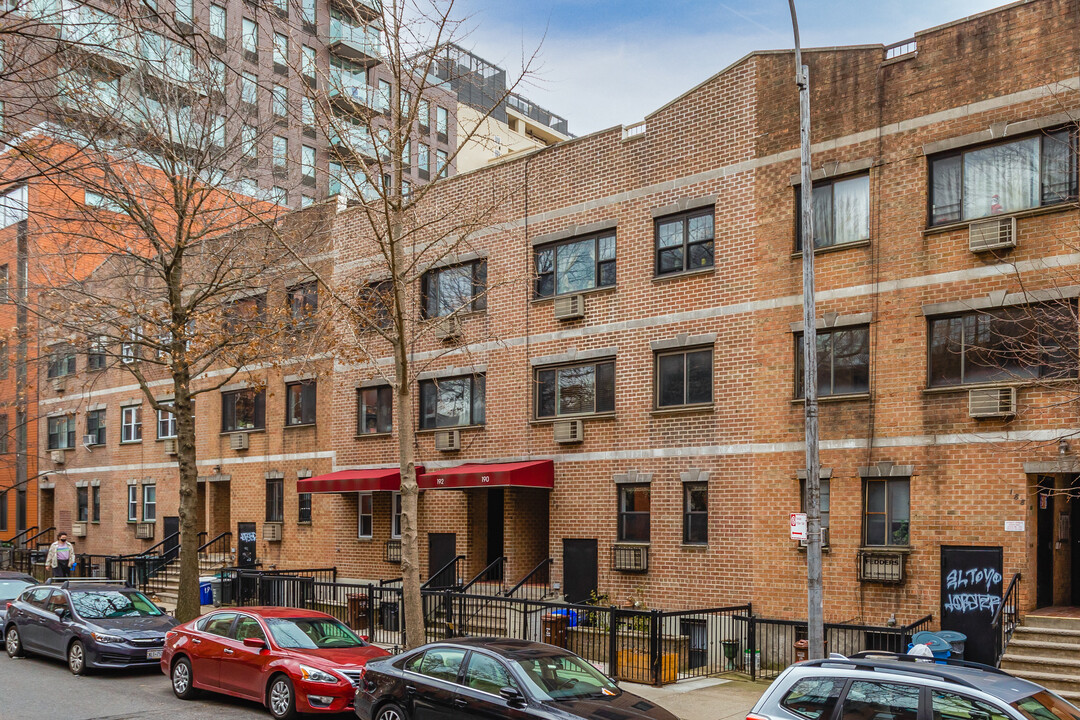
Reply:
x=887, y=686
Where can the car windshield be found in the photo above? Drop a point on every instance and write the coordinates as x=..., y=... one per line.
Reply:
x=109, y=604
x=1046, y=705
x=564, y=677
x=11, y=589
x=311, y=633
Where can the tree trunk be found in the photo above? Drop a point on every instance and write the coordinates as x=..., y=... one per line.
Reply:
x=187, y=601
x=415, y=631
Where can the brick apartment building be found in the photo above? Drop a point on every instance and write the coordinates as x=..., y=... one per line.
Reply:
x=652, y=291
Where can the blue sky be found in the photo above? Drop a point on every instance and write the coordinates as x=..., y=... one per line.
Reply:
x=606, y=62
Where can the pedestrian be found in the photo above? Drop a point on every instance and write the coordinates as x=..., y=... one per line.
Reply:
x=61, y=557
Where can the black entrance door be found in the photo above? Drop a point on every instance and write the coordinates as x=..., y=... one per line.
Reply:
x=171, y=548
x=442, y=549
x=245, y=544
x=1044, y=519
x=580, y=569
x=971, y=587
x=495, y=541
x=1074, y=539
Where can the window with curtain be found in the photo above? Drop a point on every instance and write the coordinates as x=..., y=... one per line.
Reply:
x=841, y=211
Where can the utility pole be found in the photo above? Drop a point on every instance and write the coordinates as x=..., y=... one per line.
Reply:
x=814, y=594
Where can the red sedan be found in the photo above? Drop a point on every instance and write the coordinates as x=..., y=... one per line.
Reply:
x=292, y=661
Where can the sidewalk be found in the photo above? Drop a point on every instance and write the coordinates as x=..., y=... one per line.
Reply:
x=704, y=699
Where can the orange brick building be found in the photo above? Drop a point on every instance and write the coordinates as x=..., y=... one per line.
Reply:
x=647, y=283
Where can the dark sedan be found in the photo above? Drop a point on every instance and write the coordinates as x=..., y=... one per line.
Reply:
x=494, y=679
x=91, y=625
x=12, y=585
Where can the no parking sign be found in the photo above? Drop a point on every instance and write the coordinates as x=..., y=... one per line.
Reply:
x=798, y=526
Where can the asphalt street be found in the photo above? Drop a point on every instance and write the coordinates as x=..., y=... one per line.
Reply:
x=37, y=689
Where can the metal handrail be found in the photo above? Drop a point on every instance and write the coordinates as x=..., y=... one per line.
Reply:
x=152, y=548
x=999, y=625
x=227, y=533
x=452, y=564
x=996, y=620
x=498, y=561
x=36, y=536
x=15, y=540
x=384, y=583
x=543, y=564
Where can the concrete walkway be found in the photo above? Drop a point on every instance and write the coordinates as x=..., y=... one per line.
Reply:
x=704, y=699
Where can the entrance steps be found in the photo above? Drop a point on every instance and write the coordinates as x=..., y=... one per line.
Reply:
x=166, y=584
x=1046, y=649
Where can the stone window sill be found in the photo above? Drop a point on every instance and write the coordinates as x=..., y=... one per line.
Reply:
x=591, y=291
x=300, y=426
x=563, y=418
x=1047, y=210
x=711, y=270
x=365, y=436
x=833, y=398
x=825, y=250
x=703, y=408
x=429, y=431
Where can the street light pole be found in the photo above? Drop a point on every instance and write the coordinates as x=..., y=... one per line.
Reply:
x=814, y=594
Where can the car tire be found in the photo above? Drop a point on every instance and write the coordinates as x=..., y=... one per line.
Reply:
x=391, y=712
x=76, y=658
x=13, y=643
x=281, y=698
x=183, y=680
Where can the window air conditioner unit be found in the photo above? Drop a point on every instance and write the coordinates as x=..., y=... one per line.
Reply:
x=239, y=441
x=448, y=328
x=272, y=531
x=566, y=432
x=824, y=539
x=448, y=440
x=144, y=531
x=994, y=234
x=630, y=558
x=570, y=307
x=882, y=567
x=59, y=384
x=57, y=457
x=90, y=439
x=78, y=529
x=992, y=402
x=170, y=446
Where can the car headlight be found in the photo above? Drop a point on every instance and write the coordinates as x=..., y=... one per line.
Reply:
x=103, y=638
x=315, y=675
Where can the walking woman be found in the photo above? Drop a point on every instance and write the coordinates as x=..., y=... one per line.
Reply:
x=61, y=557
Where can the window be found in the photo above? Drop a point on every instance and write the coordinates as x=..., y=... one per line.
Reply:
x=129, y=348
x=249, y=145
x=423, y=160
x=684, y=242
x=406, y=153
x=306, y=201
x=439, y=663
x=243, y=410
x=575, y=265
x=303, y=514
x=275, y=500
x=452, y=402
x=95, y=354
x=334, y=182
x=82, y=504
x=13, y=206
x=303, y=302
x=364, y=515
x=4, y=430
x=813, y=698
x=575, y=390
x=947, y=706
x=442, y=122
x=843, y=362
x=307, y=11
x=149, y=503
x=308, y=62
x=887, y=511
x=307, y=162
x=281, y=52
x=3, y=360
x=218, y=624
x=459, y=288
x=95, y=504
x=424, y=114
x=300, y=403
x=841, y=212
x=61, y=432
x=217, y=79
x=696, y=513
x=395, y=520
x=133, y=503
x=442, y=162
x=684, y=378
x=486, y=674
x=3, y=512
x=307, y=112
x=386, y=90
x=249, y=38
x=131, y=424
x=184, y=11
x=249, y=92
x=279, y=195
x=166, y=424
x=877, y=699
x=375, y=409
x=279, y=101
x=95, y=425
x=61, y=361
x=247, y=627
x=4, y=292
x=1034, y=342
x=218, y=21
x=634, y=503
x=1004, y=178
x=823, y=503
x=281, y=153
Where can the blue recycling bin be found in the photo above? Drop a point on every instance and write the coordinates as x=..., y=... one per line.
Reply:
x=206, y=591
x=956, y=640
x=571, y=616
x=938, y=645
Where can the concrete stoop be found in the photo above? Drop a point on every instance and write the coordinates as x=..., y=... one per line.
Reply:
x=1046, y=650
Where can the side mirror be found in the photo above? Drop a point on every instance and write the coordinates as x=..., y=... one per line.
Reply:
x=61, y=612
x=512, y=696
x=366, y=638
x=254, y=642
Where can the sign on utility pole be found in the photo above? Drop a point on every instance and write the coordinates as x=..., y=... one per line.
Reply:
x=814, y=594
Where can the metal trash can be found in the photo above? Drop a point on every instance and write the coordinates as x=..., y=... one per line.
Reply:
x=955, y=639
x=389, y=616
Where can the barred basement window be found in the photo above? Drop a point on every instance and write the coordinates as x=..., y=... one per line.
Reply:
x=304, y=508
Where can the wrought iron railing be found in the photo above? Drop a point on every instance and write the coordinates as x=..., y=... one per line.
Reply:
x=445, y=577
x=1006, y=618
x=536, y=585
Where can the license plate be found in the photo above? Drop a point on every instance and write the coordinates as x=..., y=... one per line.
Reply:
x=154, y=654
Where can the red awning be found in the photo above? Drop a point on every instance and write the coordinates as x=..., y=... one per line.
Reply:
x=535, y=474
x=348, y=481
